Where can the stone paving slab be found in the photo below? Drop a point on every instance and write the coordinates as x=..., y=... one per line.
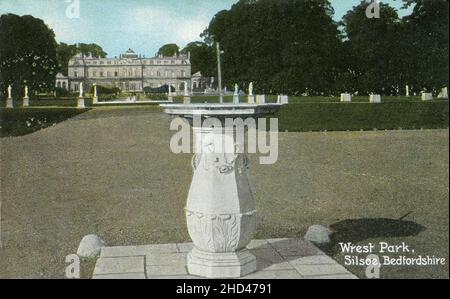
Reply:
x=276, y=259
x=119, y=265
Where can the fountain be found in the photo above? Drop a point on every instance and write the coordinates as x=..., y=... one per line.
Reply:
x=220, y=210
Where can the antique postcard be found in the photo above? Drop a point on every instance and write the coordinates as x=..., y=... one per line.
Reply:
x=272, y=140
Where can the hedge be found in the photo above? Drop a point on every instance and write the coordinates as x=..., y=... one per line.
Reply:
x=306, y=117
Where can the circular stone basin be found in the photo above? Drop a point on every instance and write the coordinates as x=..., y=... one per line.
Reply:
x=220, y=110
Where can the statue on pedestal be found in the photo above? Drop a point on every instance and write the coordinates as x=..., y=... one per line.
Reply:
x=95, y=99
x=80, y=102
x=236, y=94
x=9, y=100
x=251, y=97
x=26, y=98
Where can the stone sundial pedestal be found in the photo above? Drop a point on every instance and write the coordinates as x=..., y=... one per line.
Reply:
x=220, y=210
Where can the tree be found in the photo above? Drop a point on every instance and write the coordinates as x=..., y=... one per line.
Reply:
x=426, y=39
x=27, y=54
x=169, y=50
x=203, y=58
x=91, y=49
x=281, y=46
x=64, y=53
x=377, y=53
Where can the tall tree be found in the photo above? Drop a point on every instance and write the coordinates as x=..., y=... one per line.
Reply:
x=426, y=35
x=64, y=53
x=169, y=50
x=27, y=53
x=203, y=58
x=282, y=46
x=376, y=49
x=91, y=49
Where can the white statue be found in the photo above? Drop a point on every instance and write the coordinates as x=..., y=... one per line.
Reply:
x=81, y=89
x=236, y=99
x=186, y=89
x=95, y=97
x=9, y=100
x=26, y=99
x=250, y=89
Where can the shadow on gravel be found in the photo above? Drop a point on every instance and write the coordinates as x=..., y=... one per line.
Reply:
x=357, y=230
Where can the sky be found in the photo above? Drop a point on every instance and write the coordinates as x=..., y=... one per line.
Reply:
x=143, y=25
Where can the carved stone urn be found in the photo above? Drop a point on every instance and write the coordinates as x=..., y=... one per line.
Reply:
x=220, y=211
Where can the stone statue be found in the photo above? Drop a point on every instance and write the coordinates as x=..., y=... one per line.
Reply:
x=26, y=99
x=80, y=102
x=250, y=89
x=236, y=94
x=186, y=90
x=81, y=89
x=9, y=100
x=95, y=98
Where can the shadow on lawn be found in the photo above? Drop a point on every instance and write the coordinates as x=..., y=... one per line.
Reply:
x=357, y=230
x=20, y=122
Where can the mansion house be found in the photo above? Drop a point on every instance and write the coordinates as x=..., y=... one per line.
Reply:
x=130, y=72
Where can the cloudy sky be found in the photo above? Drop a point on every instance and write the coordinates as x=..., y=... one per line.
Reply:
x=143, y=25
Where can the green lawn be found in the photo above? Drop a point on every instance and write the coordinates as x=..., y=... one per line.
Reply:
x=19, y=121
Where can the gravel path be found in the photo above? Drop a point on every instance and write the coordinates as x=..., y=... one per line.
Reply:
x=110, y=172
